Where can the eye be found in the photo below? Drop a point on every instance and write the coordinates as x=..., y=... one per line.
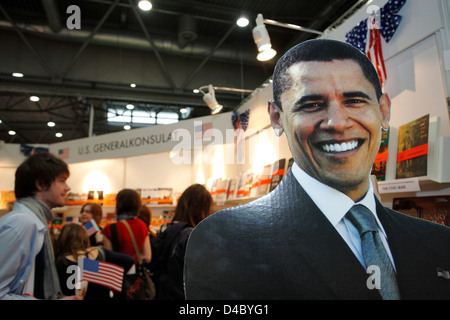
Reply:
x=354, y=101
x=310, y=107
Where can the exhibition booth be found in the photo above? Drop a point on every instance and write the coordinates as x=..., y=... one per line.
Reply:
x=241, y=160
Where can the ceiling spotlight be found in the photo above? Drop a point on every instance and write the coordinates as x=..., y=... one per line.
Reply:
x=17, y=75
x=51, y=124
x=58, y=134
x=266, y=54
x=242, y=22
x=127, y=127
x=11, y=132
x=34, y=98
x=262, y=40
x=195, y=91
x=130, y=107
x=210, y=100
x=210, y=97
x=145, y=5
x=133, y=85
x=183, y=110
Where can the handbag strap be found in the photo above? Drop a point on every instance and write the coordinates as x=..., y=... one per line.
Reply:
x=132, y=239
x=115, y=242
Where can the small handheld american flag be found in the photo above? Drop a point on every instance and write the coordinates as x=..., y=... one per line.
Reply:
x=102, y=273
x=91, y=227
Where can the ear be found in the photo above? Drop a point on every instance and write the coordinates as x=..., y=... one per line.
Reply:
x=275, y=118
x=39, y=186
x=385, y=108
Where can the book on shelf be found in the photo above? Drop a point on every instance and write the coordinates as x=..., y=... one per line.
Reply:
x=255, y=186
x=412, y=153
x=109, y=200
x=157, y=195
x=221, y=191
x=264, y=180
x=277, y=173
x=231, y=194
x=95, y=195
x=7, y=198
x=261, y=182
x=431, y=208
x=379, y=165
x=212, y=182
x=59, y=219
x=245, y=185
x=149, y=193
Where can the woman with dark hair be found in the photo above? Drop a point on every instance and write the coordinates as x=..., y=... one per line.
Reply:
x=116, y=235
x=169, y=246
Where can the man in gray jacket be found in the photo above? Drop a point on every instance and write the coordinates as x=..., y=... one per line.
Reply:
x=27, y=268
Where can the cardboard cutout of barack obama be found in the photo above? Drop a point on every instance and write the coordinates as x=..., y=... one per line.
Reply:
x=300, y=240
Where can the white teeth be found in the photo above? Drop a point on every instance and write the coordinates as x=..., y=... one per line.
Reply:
x=344, y=146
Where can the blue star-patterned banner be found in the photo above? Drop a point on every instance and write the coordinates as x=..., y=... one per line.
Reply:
x=389, y=20
x=29, y=150
x=241, y=119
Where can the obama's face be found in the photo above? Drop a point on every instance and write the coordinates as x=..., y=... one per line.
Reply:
x=332, y=119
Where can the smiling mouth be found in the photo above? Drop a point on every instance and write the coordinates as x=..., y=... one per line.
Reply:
x=341, y=146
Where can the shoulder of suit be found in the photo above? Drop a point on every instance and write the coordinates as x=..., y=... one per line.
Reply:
x=420, y=226
x=258, y=205
x=282, y=198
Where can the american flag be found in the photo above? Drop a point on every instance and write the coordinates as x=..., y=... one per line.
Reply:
x=63, y=153
x=101, y=272
x=198, y=130
x=202, y=130
x=386, y=25
x=207, y=129
x=375, y=54
x=91, y=227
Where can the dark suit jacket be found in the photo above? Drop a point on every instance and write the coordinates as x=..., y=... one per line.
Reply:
x=281, y=246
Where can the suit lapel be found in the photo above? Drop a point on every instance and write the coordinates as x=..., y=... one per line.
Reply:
x=323, y=247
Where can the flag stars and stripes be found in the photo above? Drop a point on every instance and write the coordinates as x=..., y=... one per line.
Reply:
x=102, y=273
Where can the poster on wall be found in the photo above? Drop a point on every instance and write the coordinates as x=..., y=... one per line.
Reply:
x=412, y=154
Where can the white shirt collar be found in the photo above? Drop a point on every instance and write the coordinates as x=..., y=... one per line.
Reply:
x=333, y=203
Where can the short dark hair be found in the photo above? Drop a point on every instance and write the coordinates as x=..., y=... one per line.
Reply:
x=324, y=50
x=42, y=167
x=128, y=202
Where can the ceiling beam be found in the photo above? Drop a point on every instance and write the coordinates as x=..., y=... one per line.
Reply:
x=38, y=57
x=200, y=66
x=88, y=40
x=79, y=90
x=153, y=46
x=53, y=17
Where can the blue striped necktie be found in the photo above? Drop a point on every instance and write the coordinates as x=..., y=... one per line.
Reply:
x=374, y=253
